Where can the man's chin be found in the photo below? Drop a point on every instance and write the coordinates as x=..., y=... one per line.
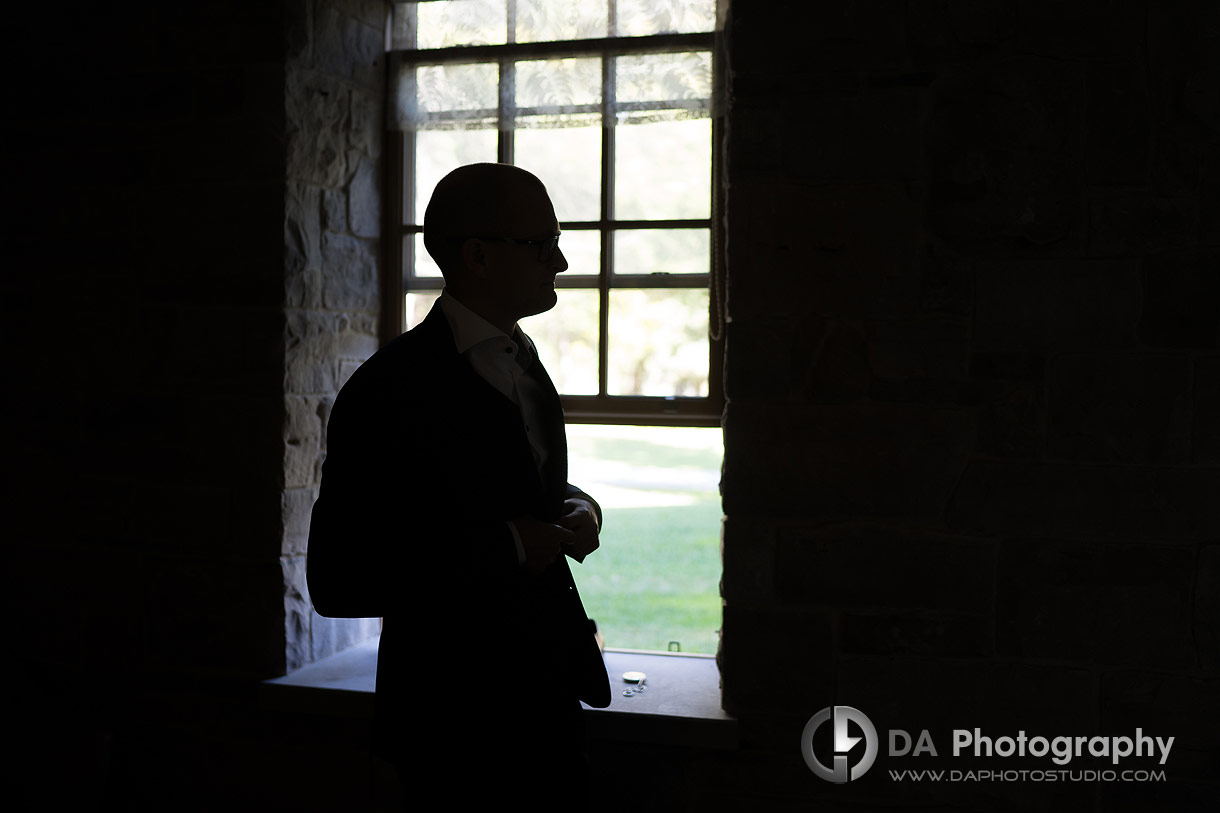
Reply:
x=545, y=302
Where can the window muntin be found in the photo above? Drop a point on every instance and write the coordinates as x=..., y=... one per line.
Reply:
x=620, y=129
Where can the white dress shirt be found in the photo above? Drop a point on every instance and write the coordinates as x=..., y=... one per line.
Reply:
x=501, y=361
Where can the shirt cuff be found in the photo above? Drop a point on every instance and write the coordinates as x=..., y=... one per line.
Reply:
x=512, y=529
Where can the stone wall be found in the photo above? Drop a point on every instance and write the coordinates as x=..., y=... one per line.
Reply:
x=971, y=438
x=335, y=78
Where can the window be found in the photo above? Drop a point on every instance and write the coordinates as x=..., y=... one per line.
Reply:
x=611, y=104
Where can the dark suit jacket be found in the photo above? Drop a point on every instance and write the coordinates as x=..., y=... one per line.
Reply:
x=425, y=464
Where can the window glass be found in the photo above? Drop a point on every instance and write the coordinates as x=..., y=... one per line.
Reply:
x=461, y=22
x=639, y=18
x=661, y=251
x=659, y=560
x=566, y=337
x=418, y=305
x=582, y=250
x=438, y=152
x=658, y=342
x=543, y=20
x=661, y=170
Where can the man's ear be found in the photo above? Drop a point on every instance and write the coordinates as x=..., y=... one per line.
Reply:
x=474, y=258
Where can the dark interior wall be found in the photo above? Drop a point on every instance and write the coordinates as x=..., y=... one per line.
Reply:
x=190, y=272
x=144, y=277
x=972, y=432
x=971, y=443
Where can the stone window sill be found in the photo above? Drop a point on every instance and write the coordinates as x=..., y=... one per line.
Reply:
x=680, y=705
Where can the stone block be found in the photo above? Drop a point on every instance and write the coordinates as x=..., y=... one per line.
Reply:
x=303, y=441
x=924, y=348
x=876, y=566
x=1119, y=408
x=1064, y=500
x=1017, y=365
x=1100, y=603
x=772, y=662
x=946, y=285
x=963, y=30
x=297, y=613
x=835, y=462
x=785, y=357
x=334, y=210
x=1126, y=222
x=1091, y=28
x=296, y=507
x=1012, y=421
x=914, y=693
x=303, y=289
x=348, y=47
x=757, y=134
x=318, y=121
x=1181, y=301
x=1207, y=607
x=917, y=633
x=853, y=136
x=1033, y=306
x=368, y=121
x=845, y=250
x=302, y=247
x=747, y=552
x=1001, y=142
x=364, y=200
x=1205, y=432
x=1117, y=123
x=349, y=273
x=316, y=342
x=1164, y=704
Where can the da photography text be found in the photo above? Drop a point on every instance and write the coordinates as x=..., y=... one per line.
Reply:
x=844, y=761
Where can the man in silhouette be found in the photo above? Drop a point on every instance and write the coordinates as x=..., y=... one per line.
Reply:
x=445, y=509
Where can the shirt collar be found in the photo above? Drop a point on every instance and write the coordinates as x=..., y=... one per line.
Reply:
x=470, y=329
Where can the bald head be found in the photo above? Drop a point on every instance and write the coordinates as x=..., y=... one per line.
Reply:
x=484, y=200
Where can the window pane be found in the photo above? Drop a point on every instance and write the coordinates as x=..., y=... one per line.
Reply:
x=639, y=18
x=663, y=170
x=663, y=77
x=668, y=251
x=439, y=152
x=657, y=571
x=582, y=250
x=559, y=82
x=658, y=342
x=425, y=266
x=566, y=337
x=542, y=20
x=568, y=160
x=444, y=23
x=418, y=306
x=444, y=88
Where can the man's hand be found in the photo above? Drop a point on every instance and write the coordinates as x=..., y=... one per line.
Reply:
x=542, y=541
x=580, y=520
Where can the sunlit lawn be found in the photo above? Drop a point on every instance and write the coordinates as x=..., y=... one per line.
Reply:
x=655, y=578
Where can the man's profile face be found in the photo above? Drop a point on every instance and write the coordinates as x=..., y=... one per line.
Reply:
x=523, y=284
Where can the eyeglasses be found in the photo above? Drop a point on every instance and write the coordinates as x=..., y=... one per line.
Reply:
x=546, y=245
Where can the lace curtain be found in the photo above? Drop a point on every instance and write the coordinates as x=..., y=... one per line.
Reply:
x=550, y=93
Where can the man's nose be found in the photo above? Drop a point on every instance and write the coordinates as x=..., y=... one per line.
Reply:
x=559, y=262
